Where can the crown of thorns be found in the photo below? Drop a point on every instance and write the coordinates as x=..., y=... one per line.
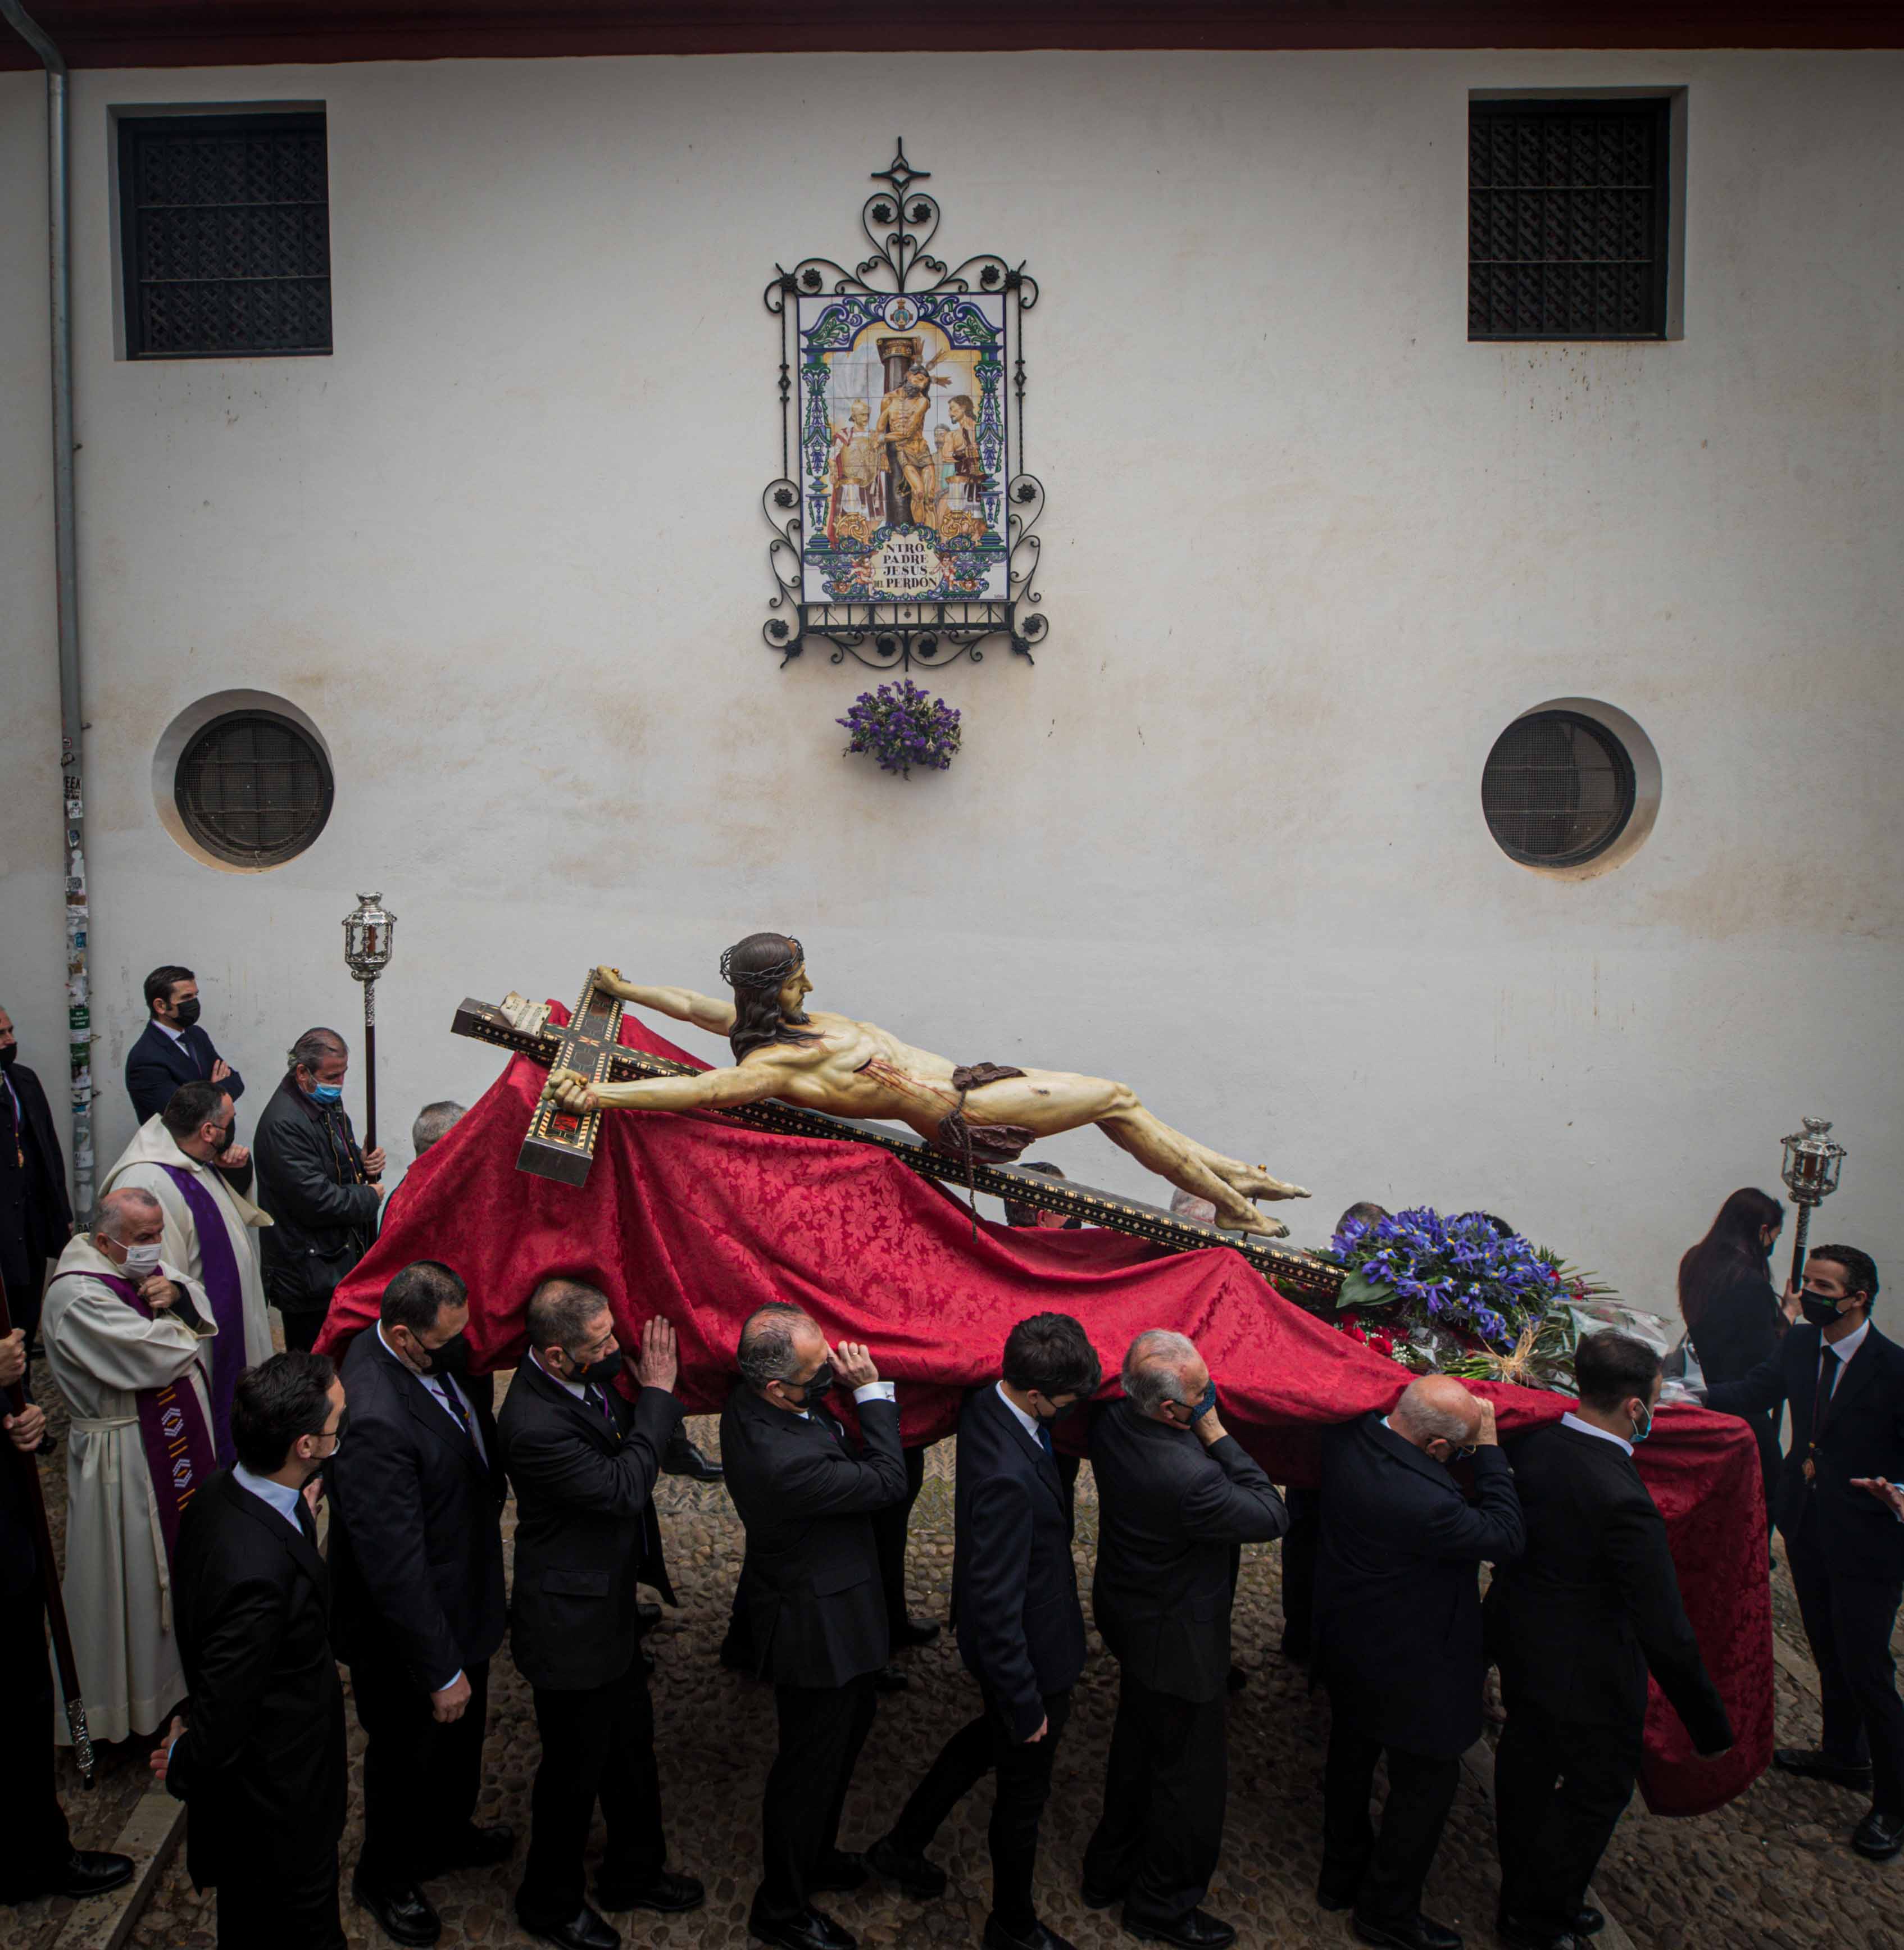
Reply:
x=770, y=977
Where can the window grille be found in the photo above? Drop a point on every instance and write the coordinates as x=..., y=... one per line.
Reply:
x=1567, y=215
x=225, y=235
x=253, y=788
x=1557, y=790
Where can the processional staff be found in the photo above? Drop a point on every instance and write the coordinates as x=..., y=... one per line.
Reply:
x=369, y=929
x=1812, y=1162
x=49, y=1575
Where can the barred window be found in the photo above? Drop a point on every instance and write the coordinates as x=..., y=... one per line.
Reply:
x=1558, y=789
x=253, y=788
x=1567, y=218
x=225, y=235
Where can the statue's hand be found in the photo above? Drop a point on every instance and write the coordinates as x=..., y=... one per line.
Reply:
x=609, y=980
x=569, y=1088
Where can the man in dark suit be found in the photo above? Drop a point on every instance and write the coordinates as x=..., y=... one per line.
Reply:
x=1020, y=1629
x=814, y=1609
x=173, y=1049
x=416, y=1555
x=583, y=1459
x=1177, y=1496
x=261, y=1764
x=1575, y=1624
x=37, y=1857
x=1397, y=1638
x=35, y=1216
x=1844, y=1382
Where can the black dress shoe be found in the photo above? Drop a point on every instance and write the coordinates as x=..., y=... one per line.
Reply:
x=646, y=1616
x=680, y=1458
x=1879, y=1836
x=1815, y=1766
x=1419, y=1932
x=915, y=1632
x=1518, y=1934
x=920, y=1878
x=890, y=1679
x=815, y=1930
x=1589, y=1922
x=403, y=1915
x=1095, y=1897
x=1197, y=1931
x=1336, y=1892
x=997, y=1937
x=839, y=1872
x=85, y=1872
x=478, y=1847
x=668, y=1894
x=585, y=1930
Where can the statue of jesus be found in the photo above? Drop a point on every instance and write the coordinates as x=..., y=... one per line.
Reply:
x=985, y=1112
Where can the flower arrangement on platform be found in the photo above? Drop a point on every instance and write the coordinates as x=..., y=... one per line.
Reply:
x=902, y=726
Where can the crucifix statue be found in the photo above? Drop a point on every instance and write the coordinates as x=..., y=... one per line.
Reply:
x=983, y=1113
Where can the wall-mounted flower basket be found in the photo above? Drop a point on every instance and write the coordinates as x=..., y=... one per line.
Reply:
x=902, y=726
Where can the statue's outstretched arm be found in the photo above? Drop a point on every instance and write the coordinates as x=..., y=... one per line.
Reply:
x=683, y=1005
x=706, y=1090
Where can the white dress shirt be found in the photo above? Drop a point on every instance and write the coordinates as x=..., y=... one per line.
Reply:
x=281, y=1499
x=1029, y=1423
x=1843, y=1350
x=1572, y=1420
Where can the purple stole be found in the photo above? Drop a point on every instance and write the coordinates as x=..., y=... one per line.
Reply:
x=225, y=1292
x=178, y=1455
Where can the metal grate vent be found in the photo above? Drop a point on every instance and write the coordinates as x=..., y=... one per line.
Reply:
x=1567, y=210
x=225, y=235
x=1557, y=790
x=253, y=788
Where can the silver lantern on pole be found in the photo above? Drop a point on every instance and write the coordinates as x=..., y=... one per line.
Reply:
x=370, y=929
x=1812, y=1163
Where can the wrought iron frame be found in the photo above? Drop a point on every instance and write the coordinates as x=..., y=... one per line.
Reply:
x=900, y=222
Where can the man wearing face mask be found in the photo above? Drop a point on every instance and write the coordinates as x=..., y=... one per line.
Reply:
x=1398, y=1643
x=1020, y=1628
x=209, y=1227
x=260, y=1760
x=322, y=1192
x=416, y=1557
x=1844, y=1382
x=174, y=1050
x=1575, y=1624
x=584, y=1457
x=810, y=1590
x=130, y=1341
x=1177, y=1496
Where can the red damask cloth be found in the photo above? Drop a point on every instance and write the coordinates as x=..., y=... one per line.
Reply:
x=703, y=1220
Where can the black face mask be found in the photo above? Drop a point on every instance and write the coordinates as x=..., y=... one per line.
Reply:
x=597, y=1373
x=1819, y=1311
x=1063, y=1414
x=817, y=1386
x=186, y=1013
x=452, y=1358
x=225, y=1137
x=7, y=1054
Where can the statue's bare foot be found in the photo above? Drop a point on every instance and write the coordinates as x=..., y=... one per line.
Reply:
x=1253, y=1181
x=1236, y=1214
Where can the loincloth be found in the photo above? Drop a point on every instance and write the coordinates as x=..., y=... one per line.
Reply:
x=983, y=1144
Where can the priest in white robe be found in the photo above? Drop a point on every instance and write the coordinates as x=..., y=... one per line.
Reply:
x=129, y=1338
x=210, y=1229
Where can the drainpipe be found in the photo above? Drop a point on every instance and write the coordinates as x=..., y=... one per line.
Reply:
x=66, y=574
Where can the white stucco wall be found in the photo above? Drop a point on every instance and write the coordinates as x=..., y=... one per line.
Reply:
x=1307, y=551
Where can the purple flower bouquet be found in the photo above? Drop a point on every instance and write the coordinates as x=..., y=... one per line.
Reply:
x=902, y=726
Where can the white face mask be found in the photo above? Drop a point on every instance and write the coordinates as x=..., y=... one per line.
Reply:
x=143, y=1262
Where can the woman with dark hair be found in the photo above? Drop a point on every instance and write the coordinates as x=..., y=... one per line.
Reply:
x=1733, y=1315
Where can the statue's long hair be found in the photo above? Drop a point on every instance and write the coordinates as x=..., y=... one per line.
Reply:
x=755, y=969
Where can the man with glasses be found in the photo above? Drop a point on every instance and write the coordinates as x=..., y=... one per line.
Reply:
x=261, y=1762
x=178, y=1157
x=584, y=1457
x=1398, y=1636
x=810, y=1589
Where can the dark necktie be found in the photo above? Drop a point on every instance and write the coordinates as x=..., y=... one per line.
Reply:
x=1044, y=1440
x=1827, y=1374
x=597, y=1400
x=453, y=1402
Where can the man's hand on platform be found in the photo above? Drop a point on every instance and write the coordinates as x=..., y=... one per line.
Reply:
x=660, y=1363
x=13, y=1358
x=1484, y=1437
x=25, y=1430
x=852, y=1362
x=569, y=1088
x=158, y=1293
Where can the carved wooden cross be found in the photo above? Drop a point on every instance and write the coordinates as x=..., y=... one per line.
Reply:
x=560, y=1144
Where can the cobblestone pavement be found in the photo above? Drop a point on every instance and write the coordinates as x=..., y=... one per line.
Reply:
x=1768, y=1870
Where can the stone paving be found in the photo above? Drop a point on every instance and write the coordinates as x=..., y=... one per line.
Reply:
x=1768, y=1870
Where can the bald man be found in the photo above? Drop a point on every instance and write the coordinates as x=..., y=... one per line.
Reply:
x=129, y=1340
x=1398, y=1641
